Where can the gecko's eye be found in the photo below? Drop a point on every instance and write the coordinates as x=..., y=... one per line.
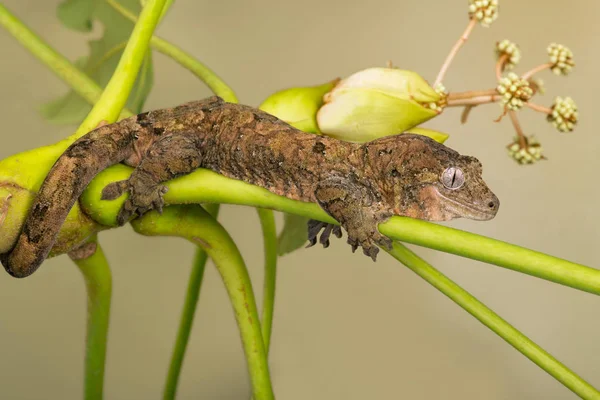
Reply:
x=136, y=136
x=453, y=178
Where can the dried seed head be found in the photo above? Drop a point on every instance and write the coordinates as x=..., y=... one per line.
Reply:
x=561, y=59
x=512, y=52
x=514, y=90
x=484, y=11
x=564, y=114
x=528, y=154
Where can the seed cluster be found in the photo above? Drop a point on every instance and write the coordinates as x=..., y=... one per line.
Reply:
x=561, y=58
x=484, y=11
x=511, y=50
x=439, y=105
x=515, y=91
x=564, y=114
x=529, y=154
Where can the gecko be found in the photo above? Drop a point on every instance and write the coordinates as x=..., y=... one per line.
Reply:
x=359, y=185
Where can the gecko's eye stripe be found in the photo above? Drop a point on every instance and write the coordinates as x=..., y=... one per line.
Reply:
x=453, y=178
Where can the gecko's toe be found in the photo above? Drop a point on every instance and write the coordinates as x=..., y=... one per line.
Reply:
x=314, y=227
x=337, y=231
x=114, y=190
x=371, y=251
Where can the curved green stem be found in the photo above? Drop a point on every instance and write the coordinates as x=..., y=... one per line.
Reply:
x=196, y=225
x=493, y=321
x=61, y=66
x=113, y=99
x=98, y=284
x=204, y=73
x=187, y=315
x=267, y=222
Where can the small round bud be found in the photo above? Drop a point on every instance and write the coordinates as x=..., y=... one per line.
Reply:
x=514, y=90
x=528, y=154
x=564, y=114
x=439, y=105
x=561, y=59
x=484, y=11
x=511, y=51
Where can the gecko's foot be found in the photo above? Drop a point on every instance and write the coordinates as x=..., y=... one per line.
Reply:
x=314, y=227
x=144, y=195
x=369, y=241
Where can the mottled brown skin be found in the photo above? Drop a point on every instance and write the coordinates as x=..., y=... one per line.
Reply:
x=358, y=185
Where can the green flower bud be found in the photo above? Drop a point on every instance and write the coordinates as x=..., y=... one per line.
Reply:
x=376, y=102
x=298, y=106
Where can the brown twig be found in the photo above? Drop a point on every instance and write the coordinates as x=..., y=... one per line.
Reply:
x=539, y=108
x=501, y=64
x=535, y=70
x=518, y=129
x=461, y=41
x=465, y=114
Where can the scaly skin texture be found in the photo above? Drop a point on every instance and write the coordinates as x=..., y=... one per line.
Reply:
x=358, y=185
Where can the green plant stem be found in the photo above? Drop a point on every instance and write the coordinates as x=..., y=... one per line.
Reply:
x=186, y=320
x=493, y=251
x=493, y=321
x=113, y=98
x=267, y=222
x=203, y=72
x=203, y=186
x=98, y=284
x=196, y=225
x=63, y=68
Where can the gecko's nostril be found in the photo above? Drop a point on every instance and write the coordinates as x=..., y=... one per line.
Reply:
x=492, y=205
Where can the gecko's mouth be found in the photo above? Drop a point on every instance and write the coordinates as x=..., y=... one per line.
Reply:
x=483, y=211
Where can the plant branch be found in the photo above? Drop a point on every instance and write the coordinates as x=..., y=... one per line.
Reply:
x=203, y=186
x=495, y=323
x=98, y=284
x=201, y=71
x=267, y=222
x=113, y=99
x=539, y=108
x=518, y=129
x=461, y=41
x=197, y=226
x=535, y=70
x=186, y=320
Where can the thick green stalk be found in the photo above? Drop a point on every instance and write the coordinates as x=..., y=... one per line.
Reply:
x=187, y=315
x=196, y=225
x=98, y=284
x=267, y=222
x=204, y=186
x=493, y=321
x=203, y=72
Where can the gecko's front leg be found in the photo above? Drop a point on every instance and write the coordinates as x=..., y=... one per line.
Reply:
x=358, y=211
x=172, y=156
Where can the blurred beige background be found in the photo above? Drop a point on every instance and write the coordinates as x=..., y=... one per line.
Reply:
x=344, y=328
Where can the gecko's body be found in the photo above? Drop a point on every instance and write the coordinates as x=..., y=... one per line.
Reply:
x=360, y=185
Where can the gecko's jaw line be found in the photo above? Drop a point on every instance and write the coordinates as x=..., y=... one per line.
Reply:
x=483, y=212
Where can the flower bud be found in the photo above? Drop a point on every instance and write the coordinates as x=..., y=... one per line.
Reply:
x=376, y=102
x=298, y=106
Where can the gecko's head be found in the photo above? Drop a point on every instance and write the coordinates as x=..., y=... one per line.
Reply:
x=430, y=181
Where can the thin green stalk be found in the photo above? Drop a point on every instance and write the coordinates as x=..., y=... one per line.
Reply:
x=187, y=315
x=98, y=284
x=492, y=251
x=493, y=321
x=113, y=99
x=203, y=72
x=86, y=87
x=196, y=225
x=267, y=222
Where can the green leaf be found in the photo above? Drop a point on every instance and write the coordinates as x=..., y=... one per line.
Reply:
x=293, y=235
x=104, y=56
